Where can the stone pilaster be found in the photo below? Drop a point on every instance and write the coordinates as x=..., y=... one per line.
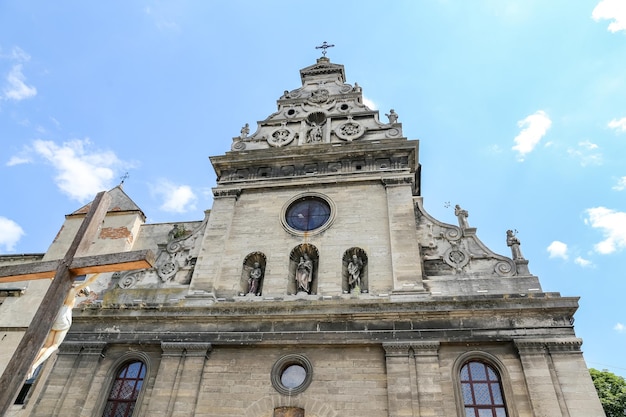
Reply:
x=209, y=265
x=428, y=380
x=577, y=389
x=400, y=388
x=536, y=365
x=74, y=367
x=407, y=272
x=178, y=379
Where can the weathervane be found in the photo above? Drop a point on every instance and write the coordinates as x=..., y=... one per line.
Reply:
x=324, y=46
x=123, y=178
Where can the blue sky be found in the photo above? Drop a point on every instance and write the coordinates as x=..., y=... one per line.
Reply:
x=520, y=108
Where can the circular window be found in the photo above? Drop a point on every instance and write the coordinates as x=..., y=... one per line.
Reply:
x=309, y=213
x=291, y=374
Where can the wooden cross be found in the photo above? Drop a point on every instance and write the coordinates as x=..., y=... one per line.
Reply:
x=64, y=272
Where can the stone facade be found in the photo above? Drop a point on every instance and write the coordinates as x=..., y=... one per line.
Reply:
x=317, y=285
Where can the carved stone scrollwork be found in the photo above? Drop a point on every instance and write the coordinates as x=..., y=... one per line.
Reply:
x=505, y=269
x=319, y=96
x=281, y=136
x=452, y=234
x=130, y=279
x=238, y=146
x=392, y=133
x=167, y=270
x=456, y=257
x=346, y=88
x=349, y=130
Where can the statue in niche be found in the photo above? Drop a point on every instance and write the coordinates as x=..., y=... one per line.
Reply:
x=462, y=215
x=354, y=270
x=245, y=130
x=304, y=274
x=513, y=242
x=315, y=134
x=255, y=279
x=393, y=116
x=62, y=324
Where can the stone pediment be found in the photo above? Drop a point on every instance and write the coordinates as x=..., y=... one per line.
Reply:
x=456, y=261
x=325, y=109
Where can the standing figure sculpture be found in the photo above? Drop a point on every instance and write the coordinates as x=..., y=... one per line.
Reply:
x=255, y=279
x=513, y=242
x=61, y=325
x=393, y=116
x=462, y=215
x=354, y=273
x=244, y=131
x=304, y=274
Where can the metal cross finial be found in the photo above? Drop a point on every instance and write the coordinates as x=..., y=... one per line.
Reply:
x=324, y=46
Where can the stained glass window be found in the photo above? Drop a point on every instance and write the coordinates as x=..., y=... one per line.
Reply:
x=482, y=391
x=125, y=390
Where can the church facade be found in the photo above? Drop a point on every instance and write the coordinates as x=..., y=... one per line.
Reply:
x=316, y=285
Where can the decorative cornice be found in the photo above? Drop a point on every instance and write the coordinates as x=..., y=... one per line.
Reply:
x=81, y=348
x=425, y=348
x=189, y=348
x=396, y=349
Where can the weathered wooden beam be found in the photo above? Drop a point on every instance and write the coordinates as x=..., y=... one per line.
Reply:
x=15, y=373
x=29, y=271
x=80, y=266
x=123, y=261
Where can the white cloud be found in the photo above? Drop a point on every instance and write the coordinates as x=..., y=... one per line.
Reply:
x=621, y=184
x=177, y=198
x=557, y=250
x=15, y=86
x=618, y=125
x=81, y=173
x=619, y=327
x=18, y=160
x=10, y=233
x=613, y=226
x=369, y=103
x=582, y=262
x=534, y=127
x=587, y=153
x=614, y=10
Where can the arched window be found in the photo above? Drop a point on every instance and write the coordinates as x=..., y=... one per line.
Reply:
x=125, y=390
x=482, y=390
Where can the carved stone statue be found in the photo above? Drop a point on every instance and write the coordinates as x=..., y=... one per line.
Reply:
x=462, y=215
x=61, y=325
x=173, y=234
x=354, y=272
x=245, y=130
x=393, y=116
x=315, y=134
x=513, y=242
x=304, y=274
x=255, y=279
